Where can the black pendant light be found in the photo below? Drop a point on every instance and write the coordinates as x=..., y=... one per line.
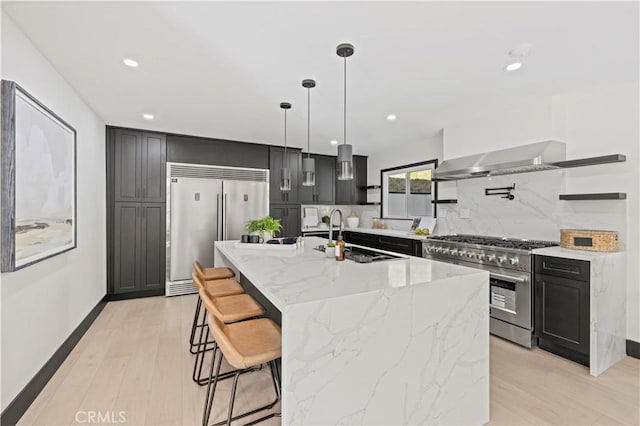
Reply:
x=285, y=173
x=345, y=151
x=308, y=164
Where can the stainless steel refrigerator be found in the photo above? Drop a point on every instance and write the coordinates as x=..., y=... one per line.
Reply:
x=206, y=204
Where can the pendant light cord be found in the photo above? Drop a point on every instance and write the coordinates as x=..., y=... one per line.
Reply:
x=308, y=122
x=345, y=100
x=284, y=156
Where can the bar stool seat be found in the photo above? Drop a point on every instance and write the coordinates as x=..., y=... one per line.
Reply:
x=209, y=274
x=215, y=288
x=249, y=343
x=221, y=288
x=245, y=345
x=235, y=308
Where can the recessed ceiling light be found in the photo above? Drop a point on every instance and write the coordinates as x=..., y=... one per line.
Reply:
x=148, y=116
x=334, y=142
x=391, y=117
x=130, y=63
x=513, y=66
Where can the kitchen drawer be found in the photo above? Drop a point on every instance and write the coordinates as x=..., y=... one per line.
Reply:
x=367, y=240
x=564, y=268
x=398, y=245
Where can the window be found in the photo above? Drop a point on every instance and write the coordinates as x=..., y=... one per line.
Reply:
x=407, y=191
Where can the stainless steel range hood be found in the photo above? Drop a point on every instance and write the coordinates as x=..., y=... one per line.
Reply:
x=526, y=158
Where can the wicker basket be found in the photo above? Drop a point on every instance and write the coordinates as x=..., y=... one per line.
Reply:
x=584, y=239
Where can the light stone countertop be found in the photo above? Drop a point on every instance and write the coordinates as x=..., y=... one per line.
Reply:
x=402, y=341
x=307, y=275
x=573, y=254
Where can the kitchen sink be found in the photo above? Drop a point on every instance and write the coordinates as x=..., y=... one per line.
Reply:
x=364, y=255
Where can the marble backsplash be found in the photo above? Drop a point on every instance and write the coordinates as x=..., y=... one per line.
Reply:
x=532, y=214
x=535, y=213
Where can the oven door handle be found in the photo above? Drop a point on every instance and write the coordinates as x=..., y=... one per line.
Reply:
x=508, y=278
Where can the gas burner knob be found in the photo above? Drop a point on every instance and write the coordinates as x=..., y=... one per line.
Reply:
x=471, y=254
x=514, y=261
x=462, y=253
x=481, y=256
x=445, y=250
x=454, y=252
x=502, y=259
x=491, y=257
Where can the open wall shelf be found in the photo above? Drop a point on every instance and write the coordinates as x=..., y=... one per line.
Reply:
x=444, y=201
x=598, y=196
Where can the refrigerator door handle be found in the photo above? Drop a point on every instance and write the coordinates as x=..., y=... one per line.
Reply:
x=219, y=218
x=224, y=207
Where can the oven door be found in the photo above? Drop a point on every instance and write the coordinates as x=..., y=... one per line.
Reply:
x=510, y=296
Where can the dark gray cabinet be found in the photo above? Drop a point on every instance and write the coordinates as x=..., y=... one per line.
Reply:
x=139, y=249
x=406, y=246
x=126, y=250
x=136, y=187
x=139, y=166
x=294, y=161
x=562, y=309
x=352, y=191
x=323, y=191
x=289, y=216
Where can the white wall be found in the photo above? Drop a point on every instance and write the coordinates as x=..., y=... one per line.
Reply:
x=600, y=121
x=44, y=303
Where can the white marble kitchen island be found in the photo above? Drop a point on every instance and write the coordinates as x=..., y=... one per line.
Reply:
x=402, y=341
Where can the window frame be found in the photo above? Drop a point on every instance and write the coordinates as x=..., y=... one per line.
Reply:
x=434, y=186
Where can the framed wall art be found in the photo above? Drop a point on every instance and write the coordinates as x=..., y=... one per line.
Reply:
x=38, y=189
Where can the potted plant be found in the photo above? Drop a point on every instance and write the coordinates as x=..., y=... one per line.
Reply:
x=266, y=227
x=330, y=249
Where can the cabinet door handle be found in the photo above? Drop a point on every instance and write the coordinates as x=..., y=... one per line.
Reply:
x=144, y=193
x=137, y=192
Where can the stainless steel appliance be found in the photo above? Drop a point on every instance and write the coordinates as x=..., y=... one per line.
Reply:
x=533, y=157
x=206, y=204
x=509, y=262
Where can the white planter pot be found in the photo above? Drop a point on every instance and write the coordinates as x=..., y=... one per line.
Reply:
x=264, y=235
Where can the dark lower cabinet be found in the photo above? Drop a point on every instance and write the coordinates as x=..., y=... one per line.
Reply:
x=562, y=310
x=406, y=246
x=139, y=248
x=289, y=216
x=153, y=246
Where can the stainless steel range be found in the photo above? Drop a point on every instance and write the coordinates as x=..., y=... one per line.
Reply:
x=509, y=262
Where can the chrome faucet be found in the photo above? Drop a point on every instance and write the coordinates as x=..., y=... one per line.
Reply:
x=331, y=224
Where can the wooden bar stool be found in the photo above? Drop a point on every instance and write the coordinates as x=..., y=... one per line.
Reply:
x=227, y=308
x=245, y=345
x=207, y=274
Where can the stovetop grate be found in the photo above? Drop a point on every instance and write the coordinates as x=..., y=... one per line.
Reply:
x=495, y=241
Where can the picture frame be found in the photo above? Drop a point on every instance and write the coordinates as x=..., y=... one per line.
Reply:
x=38, y=189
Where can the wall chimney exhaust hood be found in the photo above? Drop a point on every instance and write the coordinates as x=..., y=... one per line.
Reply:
x=533, y=157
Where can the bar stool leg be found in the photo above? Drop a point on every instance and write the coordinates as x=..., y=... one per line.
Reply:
x=275, y=375
x=232, y=399
x=211, y=387
x=195, y=325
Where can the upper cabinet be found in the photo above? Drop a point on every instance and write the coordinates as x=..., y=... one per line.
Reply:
x=353, y=191
x=294, y=162
x=140, y=166
x=323, y=191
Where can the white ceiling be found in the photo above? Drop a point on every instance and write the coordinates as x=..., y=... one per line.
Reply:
x=221, y=69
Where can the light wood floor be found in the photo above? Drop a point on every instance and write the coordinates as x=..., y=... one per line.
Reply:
x=134, y=359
